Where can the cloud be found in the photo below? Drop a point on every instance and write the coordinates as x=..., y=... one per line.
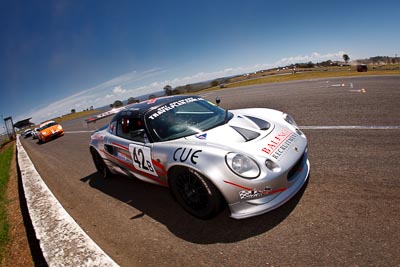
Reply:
x=314, y=57
x=140, y=83
x=118, y=90
x=205, y=76
x=97, y=96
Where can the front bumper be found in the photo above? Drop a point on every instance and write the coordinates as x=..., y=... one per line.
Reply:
x=51, y=136
x=247, y=209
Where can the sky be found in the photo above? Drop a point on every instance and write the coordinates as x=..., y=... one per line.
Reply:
x=59, y=55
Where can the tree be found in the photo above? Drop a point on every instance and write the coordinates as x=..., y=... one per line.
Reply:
x=346, y=58
x=188, y=88
x=214, y=83
x=132, y=100
x=73, y=110
x=168, y=89
x=118, y=104
x=326, y=63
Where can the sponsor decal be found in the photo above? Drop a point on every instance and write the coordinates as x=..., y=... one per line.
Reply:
x=97, y=137
x=161, y=110
x=141, y=159
x=201, y=136
x=123, y=156
x=256, y=193
x=278, y=145
x=151, y=101
x=128, y=165
x=184, y=154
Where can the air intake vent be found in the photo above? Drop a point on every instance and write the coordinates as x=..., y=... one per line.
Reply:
x=246, y=133
x=295, y=168
x=262, y=124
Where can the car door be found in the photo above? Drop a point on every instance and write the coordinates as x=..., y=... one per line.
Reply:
x=129, y=148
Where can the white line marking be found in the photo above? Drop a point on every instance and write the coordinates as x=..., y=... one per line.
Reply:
x=62, y=241
x=359, y=91
x=80, y=131
x=350, y=127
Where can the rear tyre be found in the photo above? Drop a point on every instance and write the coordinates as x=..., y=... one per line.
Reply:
x=195, y=193
x=100, y=164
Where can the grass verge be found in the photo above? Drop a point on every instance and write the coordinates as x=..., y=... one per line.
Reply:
x=5, y=161
x=3, y=142
x=306, y=75
x=76, y=115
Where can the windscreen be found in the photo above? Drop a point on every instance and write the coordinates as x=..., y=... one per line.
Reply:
x=47, y=125
x=183, y=118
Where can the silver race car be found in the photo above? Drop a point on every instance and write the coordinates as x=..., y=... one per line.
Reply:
x=253, y=160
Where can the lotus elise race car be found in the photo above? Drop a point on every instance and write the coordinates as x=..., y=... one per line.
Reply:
x=253, y=160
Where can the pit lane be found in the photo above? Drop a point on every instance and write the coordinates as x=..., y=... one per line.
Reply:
x=347, y=214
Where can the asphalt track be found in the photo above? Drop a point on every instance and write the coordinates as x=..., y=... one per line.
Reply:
x=347, y=214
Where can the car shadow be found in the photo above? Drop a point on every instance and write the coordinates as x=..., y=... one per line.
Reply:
x=159, y=204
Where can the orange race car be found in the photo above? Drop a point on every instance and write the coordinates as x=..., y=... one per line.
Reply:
x=49, y=130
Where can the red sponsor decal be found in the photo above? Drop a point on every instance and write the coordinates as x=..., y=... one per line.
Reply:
x=98, y=136
x=242, y=187
x=276, y=142
x=151, y=101
x=131, y=167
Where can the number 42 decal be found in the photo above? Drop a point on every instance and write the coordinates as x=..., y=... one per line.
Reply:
x=141, y=158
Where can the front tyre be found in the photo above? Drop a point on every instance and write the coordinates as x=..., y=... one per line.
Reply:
x=195, y=193
x=100, y=165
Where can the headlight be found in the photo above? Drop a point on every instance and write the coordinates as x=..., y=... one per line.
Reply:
x=242, y=165
x=289, y=119
x=59, y=127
